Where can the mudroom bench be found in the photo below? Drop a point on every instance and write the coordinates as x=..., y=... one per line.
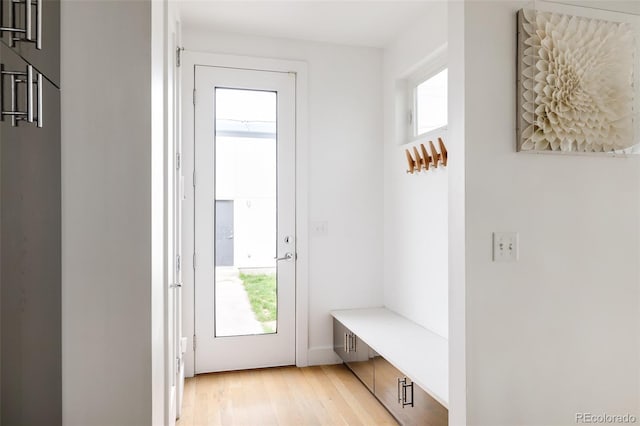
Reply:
x=402, y=363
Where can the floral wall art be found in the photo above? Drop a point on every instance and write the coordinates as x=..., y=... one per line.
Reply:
x=575, y=83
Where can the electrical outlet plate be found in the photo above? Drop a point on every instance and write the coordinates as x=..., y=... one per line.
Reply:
x=505, y=246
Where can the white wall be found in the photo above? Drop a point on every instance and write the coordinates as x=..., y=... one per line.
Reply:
x=558, y=332
x=112, y=214
x=415, y=206
x=345, y=163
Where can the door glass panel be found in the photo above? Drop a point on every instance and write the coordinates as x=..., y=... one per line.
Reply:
x=245, y=212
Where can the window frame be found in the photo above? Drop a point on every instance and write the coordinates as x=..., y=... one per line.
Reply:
x=417, y=78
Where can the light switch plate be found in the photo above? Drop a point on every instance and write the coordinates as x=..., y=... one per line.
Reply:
x=505, y=246
x=320, y=228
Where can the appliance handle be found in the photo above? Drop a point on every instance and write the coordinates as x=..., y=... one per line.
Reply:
x=30, y=93
x=28, y=23
x=39, y=24
x=40, y=85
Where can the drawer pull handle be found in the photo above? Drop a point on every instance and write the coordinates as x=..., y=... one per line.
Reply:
x=350, y=342
x=403, y=393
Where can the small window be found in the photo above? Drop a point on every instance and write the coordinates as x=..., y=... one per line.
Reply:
x=430, y=104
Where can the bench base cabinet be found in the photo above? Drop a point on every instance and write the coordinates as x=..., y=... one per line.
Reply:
x=362, y=364
x=355, y=353
x=406, y=401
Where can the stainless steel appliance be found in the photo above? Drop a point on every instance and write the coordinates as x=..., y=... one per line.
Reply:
x=30, y=215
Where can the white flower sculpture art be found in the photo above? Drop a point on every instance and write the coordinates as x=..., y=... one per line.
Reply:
x=575, y=83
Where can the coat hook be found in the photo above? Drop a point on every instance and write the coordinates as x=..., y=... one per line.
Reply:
x=419, y=160
x=410, y=161
x=444, y=155
x=425, y=156
x=434, y=155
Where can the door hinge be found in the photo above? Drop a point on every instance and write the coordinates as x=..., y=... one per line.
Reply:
x=178, y=263
x=194, y=96
x=194, y=178
x=179, y=56
x=178, y=158
x=409, y=118
x=194, y=342
x=194, y=261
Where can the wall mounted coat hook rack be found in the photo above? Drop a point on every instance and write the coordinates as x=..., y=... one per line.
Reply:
x=423, y=159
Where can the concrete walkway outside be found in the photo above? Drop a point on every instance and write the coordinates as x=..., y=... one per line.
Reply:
x=234, y=316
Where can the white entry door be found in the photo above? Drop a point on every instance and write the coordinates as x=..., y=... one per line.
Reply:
x=244, y=219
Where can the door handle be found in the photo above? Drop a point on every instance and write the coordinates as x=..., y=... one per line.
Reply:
x=287, y=256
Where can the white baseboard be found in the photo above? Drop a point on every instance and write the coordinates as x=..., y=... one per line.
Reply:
x=323, y=356
x=315, y=356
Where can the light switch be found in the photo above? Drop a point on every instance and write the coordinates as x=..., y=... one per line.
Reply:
x=320, y=228
x=505, y=246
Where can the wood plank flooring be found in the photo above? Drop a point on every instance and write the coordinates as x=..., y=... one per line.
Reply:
x=284, y=396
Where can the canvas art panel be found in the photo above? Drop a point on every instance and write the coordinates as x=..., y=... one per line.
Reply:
x=575, y=83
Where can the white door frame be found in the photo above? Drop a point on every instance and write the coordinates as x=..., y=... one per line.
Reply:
x=189, y=60
x=172, y=227
x=175, y=362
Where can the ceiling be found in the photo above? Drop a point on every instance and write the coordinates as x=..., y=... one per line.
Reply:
x=359, y=23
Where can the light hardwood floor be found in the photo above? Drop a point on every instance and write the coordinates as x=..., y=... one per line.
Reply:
x=285, y=396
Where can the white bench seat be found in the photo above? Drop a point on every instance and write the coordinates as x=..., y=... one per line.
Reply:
x=419, y=353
